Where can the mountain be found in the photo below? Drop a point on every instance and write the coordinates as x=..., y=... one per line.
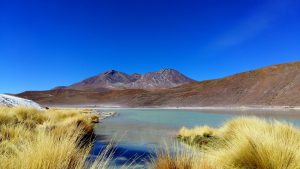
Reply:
x=112, y=79
x=277, y=85
x=162, y=79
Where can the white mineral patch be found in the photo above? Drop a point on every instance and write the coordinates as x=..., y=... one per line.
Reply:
x=12, y=101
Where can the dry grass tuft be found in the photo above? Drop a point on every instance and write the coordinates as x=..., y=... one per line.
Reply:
x=46, y=139
x=167, y=160
x=243, y=143
x=202, y=130
x=256, y=143
x=201, y=137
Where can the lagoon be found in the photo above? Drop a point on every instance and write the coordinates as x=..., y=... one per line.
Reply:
x=139, y=132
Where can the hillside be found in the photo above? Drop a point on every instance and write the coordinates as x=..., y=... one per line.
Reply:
x=274, y=85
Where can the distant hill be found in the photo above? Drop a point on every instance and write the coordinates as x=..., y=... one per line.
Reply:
x=112, y=79
x=277, y=85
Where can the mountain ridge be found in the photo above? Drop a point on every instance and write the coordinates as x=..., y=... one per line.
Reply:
x=112, y=79
x=276, y=85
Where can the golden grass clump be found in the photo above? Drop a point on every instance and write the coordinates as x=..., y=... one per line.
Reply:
x=167, y=161
x=46, y=139
x=178, y=158
x=201, y=136
x=256, y=143
x=24, y=114
x=95, y=119
x=243, y=143
x=6, y=117
x=46, y=151
x=200, y=130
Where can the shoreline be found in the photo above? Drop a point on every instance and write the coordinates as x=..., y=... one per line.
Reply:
x=266, y=111
x=238, y=108
x=103, y=115
x=273, y=112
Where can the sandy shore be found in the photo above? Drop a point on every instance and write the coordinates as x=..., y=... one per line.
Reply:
x=236, y=108
x=280, y=108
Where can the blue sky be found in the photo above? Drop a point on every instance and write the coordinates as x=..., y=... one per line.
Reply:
x=55, y=42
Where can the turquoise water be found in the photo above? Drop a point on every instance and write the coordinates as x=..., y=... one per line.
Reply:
x=140, y=131
x=146, y=127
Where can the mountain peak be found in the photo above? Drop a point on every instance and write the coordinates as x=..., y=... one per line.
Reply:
x=167, y=69
x=110, y=71
x=110, y=79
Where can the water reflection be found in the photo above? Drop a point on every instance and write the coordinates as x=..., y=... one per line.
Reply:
x=134, y=157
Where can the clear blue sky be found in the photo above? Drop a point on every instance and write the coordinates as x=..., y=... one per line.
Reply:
x=46, y=43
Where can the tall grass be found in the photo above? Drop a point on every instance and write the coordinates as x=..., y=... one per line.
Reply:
x=242, y=143
x=46, y=139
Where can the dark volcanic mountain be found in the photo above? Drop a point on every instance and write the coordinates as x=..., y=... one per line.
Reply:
x=111, y=79
x=277, y=85
x=162, y=79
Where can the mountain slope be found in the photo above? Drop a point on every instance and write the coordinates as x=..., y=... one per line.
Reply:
x=273, y=85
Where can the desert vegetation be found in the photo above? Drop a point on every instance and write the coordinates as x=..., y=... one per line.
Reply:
x=242, y=143
x=40, y=139
x=62, y=138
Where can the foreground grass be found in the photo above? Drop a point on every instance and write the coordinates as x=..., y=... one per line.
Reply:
x=242, y=143
x=46, y=139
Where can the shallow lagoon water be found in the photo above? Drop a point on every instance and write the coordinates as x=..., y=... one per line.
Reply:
x=139, y=132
